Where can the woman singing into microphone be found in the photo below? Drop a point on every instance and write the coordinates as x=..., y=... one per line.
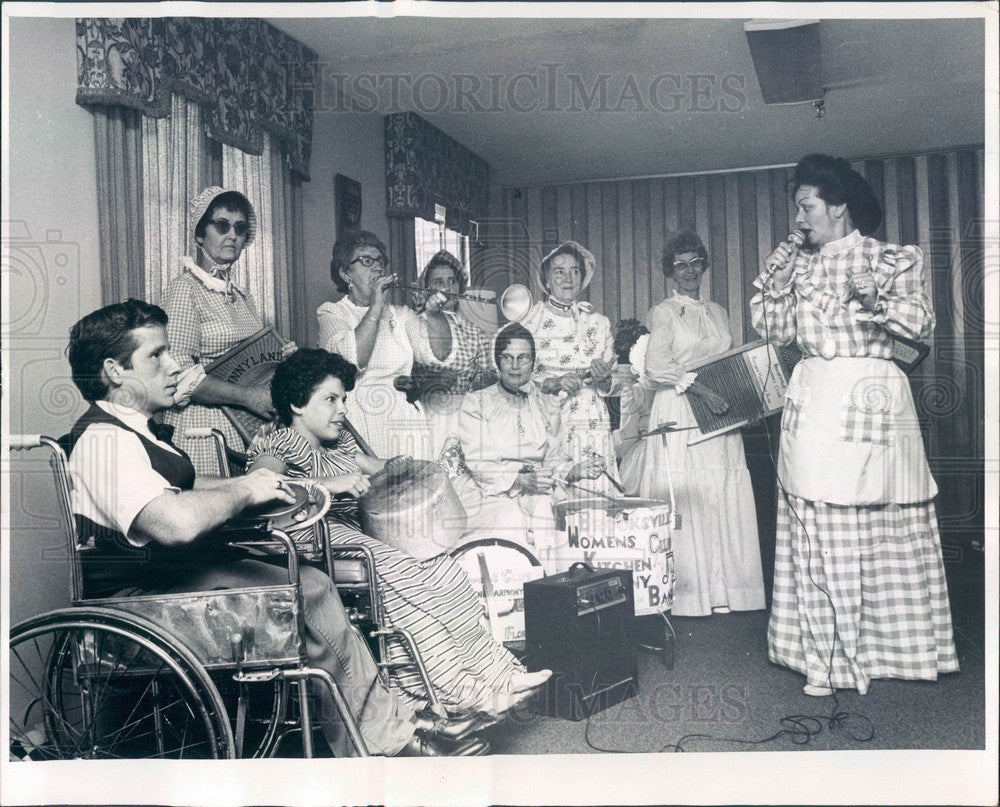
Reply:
x=859, y=585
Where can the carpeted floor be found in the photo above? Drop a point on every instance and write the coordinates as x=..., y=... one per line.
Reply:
x=723, y=688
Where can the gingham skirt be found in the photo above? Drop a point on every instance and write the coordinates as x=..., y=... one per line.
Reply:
x=865, y=584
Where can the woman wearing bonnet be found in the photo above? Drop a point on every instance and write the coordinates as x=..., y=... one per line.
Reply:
x=209, y=315
x=574, y=355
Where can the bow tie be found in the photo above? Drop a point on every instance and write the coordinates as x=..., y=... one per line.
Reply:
x=161, y=431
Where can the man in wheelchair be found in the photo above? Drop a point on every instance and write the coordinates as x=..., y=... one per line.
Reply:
x=135, y=495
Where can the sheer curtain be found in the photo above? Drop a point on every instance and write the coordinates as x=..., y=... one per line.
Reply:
x=256, y=270
x=174, y=169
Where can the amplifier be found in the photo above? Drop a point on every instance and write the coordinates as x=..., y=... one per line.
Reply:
x=579, y=624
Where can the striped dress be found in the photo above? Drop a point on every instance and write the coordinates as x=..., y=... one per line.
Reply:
x=432, y=599
x=859, y=583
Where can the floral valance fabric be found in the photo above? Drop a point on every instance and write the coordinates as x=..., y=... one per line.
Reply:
x=424, y=166
x=249, y=76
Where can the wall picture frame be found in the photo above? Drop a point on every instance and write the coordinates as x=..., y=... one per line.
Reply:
x=346, y=203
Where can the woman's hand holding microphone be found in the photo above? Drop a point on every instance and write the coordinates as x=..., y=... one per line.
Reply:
x=780, y=263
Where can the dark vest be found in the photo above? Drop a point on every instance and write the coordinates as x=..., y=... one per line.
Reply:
x=113, y=565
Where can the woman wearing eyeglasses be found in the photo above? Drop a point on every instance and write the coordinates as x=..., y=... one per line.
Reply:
x=510, y=446
x=370, y=332
x=209, y=315
x=716, y=552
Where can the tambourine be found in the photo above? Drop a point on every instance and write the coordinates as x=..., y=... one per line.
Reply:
x=311, y=503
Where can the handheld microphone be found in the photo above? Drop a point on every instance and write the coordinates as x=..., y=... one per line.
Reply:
x=796, y=238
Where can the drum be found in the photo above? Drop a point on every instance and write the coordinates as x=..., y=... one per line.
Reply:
x=625, y=533
x=411, y=506
x=498, y=569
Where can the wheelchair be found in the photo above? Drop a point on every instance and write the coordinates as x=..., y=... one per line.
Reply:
x=352, y=568
x=200, y=675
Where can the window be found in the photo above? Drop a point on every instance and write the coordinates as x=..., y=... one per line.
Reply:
x=431, y=237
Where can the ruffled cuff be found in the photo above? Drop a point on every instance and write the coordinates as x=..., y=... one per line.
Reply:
x=187, y=383
x=765, y=285
x=686, y=381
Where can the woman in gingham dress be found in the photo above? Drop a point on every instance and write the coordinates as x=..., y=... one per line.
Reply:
x=574, y=356
x=859, y=585
x=453, y=351
x=209, y=315
x=432, y=599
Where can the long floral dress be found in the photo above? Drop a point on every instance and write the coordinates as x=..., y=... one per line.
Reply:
x=716, y=549
x=858, y=571
x=432, y=599
x=567, y=343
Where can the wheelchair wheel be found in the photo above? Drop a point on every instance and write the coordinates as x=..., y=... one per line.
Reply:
x=100, y=684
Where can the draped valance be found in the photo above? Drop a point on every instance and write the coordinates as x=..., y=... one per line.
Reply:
x=424, y=166
x=249, y=76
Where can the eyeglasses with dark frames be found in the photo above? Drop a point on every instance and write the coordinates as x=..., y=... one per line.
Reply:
x=368, y=261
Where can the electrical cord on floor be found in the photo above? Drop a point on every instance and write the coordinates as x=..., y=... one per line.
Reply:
x=799, y=728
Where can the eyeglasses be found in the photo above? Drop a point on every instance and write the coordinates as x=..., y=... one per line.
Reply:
x=694, y=263
x=522, y=358
x=368, y=261
x=241, y=228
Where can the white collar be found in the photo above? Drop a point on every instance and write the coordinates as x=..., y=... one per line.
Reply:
x=849, y=241
x=684, y=299
x=129, y=416
x=347, y=299
x=210, y=281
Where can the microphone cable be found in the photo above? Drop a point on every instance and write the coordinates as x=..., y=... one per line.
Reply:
x=799, y=728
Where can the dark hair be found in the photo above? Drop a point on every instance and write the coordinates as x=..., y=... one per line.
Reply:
x=107, y=334
x=837, y=183
x=684, y=241
x=346, y=243
x=445, y=258
x=507, y=334
x=231, y=201
x=564, y=249
x=297, y=377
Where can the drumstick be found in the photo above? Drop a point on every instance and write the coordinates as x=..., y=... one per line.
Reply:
x=592, y=492
x=616, y=483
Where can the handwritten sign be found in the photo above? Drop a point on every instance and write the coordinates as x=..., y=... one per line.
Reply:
x=638, y=540
x=248, y=364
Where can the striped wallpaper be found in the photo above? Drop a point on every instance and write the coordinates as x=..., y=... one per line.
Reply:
x=933, y=200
